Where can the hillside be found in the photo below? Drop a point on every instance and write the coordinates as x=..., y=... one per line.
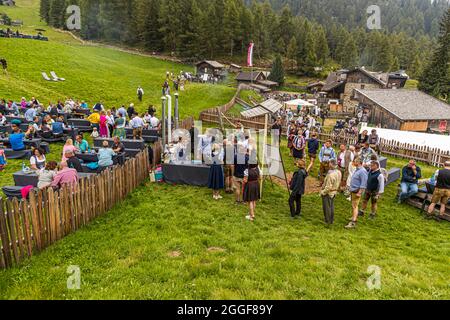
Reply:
x=92, y=73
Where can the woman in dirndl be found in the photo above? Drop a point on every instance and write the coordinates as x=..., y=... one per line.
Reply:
x=119, y=130
x=298, y=146
x=216, y=179
x=251, y=189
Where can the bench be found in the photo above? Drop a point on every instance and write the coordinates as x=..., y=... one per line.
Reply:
x=81, y=124
x=393, y=175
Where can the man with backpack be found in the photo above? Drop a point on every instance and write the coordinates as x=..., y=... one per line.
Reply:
x=375, y=188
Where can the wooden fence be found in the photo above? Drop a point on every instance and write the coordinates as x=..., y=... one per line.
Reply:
x=432, y=156
x=30, y=225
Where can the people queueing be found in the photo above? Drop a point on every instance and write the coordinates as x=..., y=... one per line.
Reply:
x=358, y=185
x=252, y=194
x=297, y=187
x=326, y=155
x=330, y=189
x=374, y=189
x=409, y=185
x=441, y=193
x=313, y=147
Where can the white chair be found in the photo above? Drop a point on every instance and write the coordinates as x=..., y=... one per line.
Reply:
x=53, y=74
x=46, y=77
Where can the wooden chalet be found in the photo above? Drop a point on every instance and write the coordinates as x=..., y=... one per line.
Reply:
x=407, y=110
x=341, y=84
x=213, y=68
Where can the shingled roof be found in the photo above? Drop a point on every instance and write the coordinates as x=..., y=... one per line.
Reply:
x=213, y=64
x=248, y=76
x=269, y=106
x=408, y=105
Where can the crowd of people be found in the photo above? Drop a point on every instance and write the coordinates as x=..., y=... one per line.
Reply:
x=8, y=33
x=50, y=122
x=356, y=172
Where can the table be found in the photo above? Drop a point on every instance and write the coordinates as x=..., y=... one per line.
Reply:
x=11, y=154
x=127, y=143
x=35, y=143
x=187, y=174
x=80, y=124
x=383, y=162
x=11, y=118
x=31, y=179
x=145, y=132
x=92, y=157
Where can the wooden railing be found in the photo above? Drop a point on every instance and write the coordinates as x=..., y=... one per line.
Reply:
x=30, y=225
x=432, y=156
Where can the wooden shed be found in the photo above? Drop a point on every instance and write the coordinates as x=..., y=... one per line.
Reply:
x=407, y=110
x=213, y=68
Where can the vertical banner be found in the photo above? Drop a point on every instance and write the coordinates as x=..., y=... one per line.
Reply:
x=250, y=55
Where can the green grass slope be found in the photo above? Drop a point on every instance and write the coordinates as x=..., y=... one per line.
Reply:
x=92, y=73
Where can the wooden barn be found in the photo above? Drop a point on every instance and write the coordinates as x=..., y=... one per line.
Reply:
x=257, y=80
x=213, y=68
x=407, y=110
x=341, y=84
x=235, y=68
x=258, y=113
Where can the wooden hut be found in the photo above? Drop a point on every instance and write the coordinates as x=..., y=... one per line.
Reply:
x=407, y=110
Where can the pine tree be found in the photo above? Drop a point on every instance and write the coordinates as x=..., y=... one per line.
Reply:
x=291, y=53
x=322, y=50
x=56, y=13
x=231, y=26
x=435, y=78
x=44, y=10
x=277, y=73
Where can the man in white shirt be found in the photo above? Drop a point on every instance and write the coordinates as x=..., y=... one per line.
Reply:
x=154, y=122
x=140, y=93
x=137, y=124
x=30, y=114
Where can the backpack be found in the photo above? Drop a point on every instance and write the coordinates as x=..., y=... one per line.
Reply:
x=385, y=174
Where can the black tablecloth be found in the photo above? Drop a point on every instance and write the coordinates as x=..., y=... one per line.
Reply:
x=145, y=132
x=127, y=143
x=81, y=124
x=36, y=143
x=383, y=162
x=93, y=157
x=31, y=179
x=11, y=154
x=189, y=174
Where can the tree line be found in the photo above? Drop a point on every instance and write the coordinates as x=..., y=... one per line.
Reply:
x=223, y=29
x=413, y=17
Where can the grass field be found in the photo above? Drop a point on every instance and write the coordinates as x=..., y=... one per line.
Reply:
x=176, y=242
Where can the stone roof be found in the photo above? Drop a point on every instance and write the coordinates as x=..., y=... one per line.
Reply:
x=409, y=105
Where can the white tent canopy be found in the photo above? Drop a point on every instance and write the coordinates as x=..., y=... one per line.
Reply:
x=293, y=104
x=422, y=139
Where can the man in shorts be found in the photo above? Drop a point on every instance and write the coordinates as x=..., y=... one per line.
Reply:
x=442, y=190
x=375, y=188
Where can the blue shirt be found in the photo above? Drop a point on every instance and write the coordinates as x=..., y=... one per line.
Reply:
x=327, y=154
x=105, y=157
x=57, y=128
x=30, y=114
x=359, y=180
x=16, y=141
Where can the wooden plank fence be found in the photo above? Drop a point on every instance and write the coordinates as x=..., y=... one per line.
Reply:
x=432, y=156
x=30, y=225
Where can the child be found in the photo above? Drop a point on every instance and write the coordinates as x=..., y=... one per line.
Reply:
x=94, y=133
x=2, y=159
